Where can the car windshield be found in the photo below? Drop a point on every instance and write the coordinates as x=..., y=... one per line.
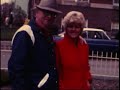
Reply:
x=94, y=35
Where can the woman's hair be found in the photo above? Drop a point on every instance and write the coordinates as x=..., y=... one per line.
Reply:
x=73, y=17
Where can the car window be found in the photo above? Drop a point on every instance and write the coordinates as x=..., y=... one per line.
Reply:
x=104, y=36
x=94, y=35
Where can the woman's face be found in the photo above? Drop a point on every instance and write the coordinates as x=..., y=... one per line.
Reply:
x=73, y=30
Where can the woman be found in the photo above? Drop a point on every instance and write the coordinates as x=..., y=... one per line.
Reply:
x=72, y=55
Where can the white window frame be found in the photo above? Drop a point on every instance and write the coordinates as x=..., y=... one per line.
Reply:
x=115, y=3
x=82, y=0
x=115, y=25
x=74, y=2
x=86, y=23
x=69, y=2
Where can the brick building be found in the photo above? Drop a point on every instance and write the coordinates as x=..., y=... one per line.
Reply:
x=99, y=13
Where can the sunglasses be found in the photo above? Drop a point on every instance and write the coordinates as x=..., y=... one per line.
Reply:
x=49, y=14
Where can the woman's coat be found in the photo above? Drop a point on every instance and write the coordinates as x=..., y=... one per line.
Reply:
x=73, y=65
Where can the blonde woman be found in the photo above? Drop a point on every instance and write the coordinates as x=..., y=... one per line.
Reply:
x=72, y=55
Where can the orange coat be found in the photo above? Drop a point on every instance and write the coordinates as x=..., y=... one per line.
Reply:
x=72, y=64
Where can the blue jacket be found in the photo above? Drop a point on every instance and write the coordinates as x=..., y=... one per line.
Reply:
x=29, y=63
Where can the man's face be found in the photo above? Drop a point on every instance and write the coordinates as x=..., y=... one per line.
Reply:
x=44, y=18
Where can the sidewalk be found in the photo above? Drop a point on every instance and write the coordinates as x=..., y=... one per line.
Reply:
x=6, y=87
x=98, y=84
x=102, y=84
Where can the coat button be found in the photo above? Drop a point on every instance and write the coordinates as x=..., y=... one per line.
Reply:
x=54, y=68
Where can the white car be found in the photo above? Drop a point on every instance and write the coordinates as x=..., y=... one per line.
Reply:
x=92, y=33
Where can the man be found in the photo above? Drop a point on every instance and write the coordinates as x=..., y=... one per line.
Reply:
x=32, y=62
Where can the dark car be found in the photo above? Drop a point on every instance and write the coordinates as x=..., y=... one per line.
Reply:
x=98, y=40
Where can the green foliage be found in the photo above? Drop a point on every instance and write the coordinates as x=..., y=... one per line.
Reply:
x=19, y=16
x=7, y=33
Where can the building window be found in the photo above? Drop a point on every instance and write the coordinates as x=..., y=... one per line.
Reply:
x=86, y=23
x=69, y=2
x=83, y=3
x=116, y=2
x=74, y=2
x=114, y=26
x=82, y=0
x=114, y=29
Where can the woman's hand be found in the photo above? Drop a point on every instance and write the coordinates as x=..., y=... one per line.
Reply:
x=89, y=83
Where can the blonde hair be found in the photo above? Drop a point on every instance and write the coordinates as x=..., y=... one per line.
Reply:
x=73, y=16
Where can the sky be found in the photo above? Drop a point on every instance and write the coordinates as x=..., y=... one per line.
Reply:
x=22, y=3
x=5, y=1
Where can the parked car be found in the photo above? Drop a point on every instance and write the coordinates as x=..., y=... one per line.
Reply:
x=97, y=39
x=92, y=33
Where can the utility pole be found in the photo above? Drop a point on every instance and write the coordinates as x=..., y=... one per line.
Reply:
x=29, y=8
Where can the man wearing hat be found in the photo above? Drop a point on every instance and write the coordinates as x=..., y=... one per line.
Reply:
x=32, y=62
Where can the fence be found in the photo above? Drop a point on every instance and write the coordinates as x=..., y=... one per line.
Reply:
x=5, y=45
x=104, y=64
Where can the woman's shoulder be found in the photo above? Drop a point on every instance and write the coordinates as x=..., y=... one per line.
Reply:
x=82, y=40
x=59, y=42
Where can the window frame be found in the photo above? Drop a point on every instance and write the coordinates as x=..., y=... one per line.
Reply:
x=83, y=1
x=115, y=3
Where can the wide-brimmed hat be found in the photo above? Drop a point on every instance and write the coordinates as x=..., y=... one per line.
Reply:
x=49, y=5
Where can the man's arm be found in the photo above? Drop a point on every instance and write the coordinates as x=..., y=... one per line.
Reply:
x=17, y=62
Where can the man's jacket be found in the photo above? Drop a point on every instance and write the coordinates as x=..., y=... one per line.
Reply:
x=29, y=62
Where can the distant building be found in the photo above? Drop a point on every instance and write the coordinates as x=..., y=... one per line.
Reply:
x=99, y=13
x=23, y=4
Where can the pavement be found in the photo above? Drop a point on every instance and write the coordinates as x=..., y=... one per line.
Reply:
x=97, y=84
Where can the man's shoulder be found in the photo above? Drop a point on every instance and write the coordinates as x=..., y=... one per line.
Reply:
x=27, y=29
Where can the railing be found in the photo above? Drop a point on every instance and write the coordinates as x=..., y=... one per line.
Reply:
x=101, y=63
x=104, y=64
x=5, y=45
